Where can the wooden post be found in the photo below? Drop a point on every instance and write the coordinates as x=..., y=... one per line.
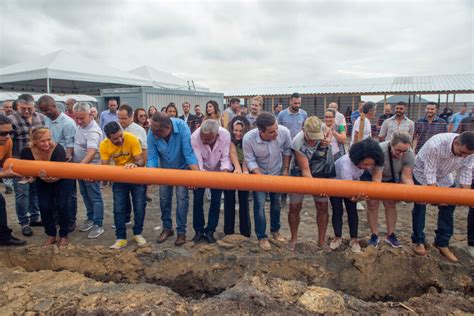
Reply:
x=419, y=106
x=384, y=101
x=324, y=103
x=454, y=102
x=353, y=103
x=447, y=96
x=273, y=104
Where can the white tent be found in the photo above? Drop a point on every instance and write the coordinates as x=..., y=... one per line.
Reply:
x=166, y=80
x=63, y=72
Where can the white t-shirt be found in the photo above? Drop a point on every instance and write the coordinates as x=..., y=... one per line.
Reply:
x=367, y=129
x=340, y=119
x=346, y=170
x=139, y=132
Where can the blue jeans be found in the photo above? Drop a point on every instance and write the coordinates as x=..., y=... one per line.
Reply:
x=93, y=202
x=26, y=201
x=259, y=213
x=166, y=205
x=445, y=223
x=214, y=210
x=121, y=192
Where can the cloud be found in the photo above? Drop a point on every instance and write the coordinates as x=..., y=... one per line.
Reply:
x=255, y=43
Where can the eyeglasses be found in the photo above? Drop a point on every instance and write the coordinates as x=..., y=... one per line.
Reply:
x=398, y=151
x=3, y=134
x=329, y=117
x=143, y=115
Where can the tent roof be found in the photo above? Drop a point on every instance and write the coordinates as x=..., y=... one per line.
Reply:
x=68, y=73
x=165, y=80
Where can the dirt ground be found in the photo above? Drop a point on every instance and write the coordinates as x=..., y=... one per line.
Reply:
x=234, y=276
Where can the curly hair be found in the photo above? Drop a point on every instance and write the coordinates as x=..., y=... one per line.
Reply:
x=368, y=148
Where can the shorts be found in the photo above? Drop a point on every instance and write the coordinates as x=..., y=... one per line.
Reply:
x=298, y=198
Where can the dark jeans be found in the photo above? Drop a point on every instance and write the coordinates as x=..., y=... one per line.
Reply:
x=470, y=224
x=72, y=205
x=54, y=197
x=337, y=214
x=128, y=208
x=121, y=192
x=229, y=212
x=198, y=211
x=260, y=221
x=445, y=223
x=5, y=232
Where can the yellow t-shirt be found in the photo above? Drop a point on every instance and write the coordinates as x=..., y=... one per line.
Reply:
x=121, y=155
x=6, y=151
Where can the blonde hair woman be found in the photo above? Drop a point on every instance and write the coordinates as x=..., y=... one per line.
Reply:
x=53, y=193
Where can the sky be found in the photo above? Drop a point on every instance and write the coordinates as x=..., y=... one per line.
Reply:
x=229, y=44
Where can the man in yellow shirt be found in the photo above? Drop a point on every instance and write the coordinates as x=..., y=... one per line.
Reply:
x=125, y=150
x=6, y=144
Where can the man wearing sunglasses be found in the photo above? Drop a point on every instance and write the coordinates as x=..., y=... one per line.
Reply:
x=26, y=200
x=397, y=168
x=6, y=238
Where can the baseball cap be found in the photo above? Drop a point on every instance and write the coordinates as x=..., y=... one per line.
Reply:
x=312, y=127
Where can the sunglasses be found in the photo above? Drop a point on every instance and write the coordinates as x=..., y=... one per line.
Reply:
x=3, y=134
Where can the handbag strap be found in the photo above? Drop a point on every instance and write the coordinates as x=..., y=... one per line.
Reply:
x=391, y=162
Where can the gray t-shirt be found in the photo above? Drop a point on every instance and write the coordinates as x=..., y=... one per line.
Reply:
x=300, y=145
x=407, y=160
x=85, y=138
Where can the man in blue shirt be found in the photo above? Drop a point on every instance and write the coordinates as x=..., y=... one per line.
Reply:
x=293, y=117
x=169, y=146
x=109, y=115
x=457, y=118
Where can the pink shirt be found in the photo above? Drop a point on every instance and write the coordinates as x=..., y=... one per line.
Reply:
x=215, y=159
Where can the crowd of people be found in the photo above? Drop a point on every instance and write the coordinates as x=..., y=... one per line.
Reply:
x=286, y=142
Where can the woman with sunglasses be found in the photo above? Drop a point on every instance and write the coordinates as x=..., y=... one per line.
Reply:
x=141, y=118
x=237, y=128
x=53, y=193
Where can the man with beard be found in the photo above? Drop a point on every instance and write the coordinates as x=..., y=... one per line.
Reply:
x=397, y=123
x=190, y=119
x=293, y=117
x=428, y=126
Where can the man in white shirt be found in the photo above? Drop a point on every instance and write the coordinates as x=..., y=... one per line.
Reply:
x=362, y=132
x=439, y=157
x=340, y=119
x=397, y=123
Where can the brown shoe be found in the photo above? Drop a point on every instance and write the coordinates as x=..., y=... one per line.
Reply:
x=63, y=242
x=420, y=249
x=50, y=241
x=180, y=240
x=278, y=237
x=264, y=244
x=447, y=253
x=165, y=234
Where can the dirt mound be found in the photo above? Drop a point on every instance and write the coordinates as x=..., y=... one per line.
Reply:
x=233, y=276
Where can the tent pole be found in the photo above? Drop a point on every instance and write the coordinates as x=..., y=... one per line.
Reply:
x=47, y=85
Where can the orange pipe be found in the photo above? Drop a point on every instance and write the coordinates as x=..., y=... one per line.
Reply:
x=221, y=180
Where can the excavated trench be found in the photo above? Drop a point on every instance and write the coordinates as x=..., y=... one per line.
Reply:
x=203, y=271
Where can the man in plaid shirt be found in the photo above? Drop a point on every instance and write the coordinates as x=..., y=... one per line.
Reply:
x=26, y=200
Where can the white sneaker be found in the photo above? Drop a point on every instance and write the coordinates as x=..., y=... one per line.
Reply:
x=470, y=249
x=355, y=247
x=139, y=240
x=119, y=244
x=335, y=243
x=360, y=206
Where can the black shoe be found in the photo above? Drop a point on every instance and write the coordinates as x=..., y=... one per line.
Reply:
x=71, y=228
x=210, y=238
x=198, y=237
x=36, y=223
x=8, y=190
x=26, y=230
x=12, y=242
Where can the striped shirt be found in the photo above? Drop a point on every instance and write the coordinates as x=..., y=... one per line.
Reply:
x=424, y=130
x=436, y=162
x=21, y=130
